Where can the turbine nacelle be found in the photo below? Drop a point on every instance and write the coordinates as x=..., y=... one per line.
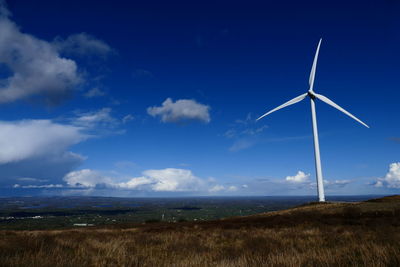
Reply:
x=311, y=94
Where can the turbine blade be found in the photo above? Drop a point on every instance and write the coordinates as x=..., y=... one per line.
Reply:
x=333, y=104
x=314, y=67
x=290, y=102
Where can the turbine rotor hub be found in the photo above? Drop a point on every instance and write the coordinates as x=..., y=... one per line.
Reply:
x=311, y=95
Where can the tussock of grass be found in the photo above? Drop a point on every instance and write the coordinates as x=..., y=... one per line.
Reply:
x=343, y=235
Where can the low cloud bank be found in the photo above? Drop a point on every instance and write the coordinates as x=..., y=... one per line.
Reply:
x=162, y=180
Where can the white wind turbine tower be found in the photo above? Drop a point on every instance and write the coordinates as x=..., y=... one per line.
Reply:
x=312, y=95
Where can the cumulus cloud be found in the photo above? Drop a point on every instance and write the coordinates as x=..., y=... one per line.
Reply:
x=36, y=151
x=217, y=188
x=20, y=140
x=86, y=178
x=40, y=69
x=167, y=180
x=82, y=44
x=300, y=177
x=135, y=183
x=392, y=177
x=163, y=180
x=220, y=188
x=180, y=110
x=36, y=67
x=50, y=167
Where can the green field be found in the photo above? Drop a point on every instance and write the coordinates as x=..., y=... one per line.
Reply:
x=67, y=212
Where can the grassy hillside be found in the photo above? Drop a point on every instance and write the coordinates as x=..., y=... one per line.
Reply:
x=330, y=234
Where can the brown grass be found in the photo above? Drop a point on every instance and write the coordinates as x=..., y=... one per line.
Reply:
x=317, y=235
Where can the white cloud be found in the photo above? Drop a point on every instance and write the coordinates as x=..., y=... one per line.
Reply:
x=302, y=180
x=20, y=140
x=220, y=188
x=23, y=139
x=37, y=70
x=172, y=179
x=30, y=179
x=135, y=183
x=39, y=148
x=181, y=110
x=86, y=178
x=392, y=177
x=49, y=166
x=232, y=188
x=378, y=183
x=82, y=44
x=46, y=186
x=164, y=180
x=94, y=92
x=36, y=67
x=217, y=188
x=300, y=177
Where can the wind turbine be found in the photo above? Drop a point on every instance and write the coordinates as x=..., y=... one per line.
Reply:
x=312, y=95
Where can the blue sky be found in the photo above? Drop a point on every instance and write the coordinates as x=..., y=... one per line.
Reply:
x=160, y=99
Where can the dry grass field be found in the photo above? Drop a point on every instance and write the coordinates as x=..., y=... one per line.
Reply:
x=331, y=234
